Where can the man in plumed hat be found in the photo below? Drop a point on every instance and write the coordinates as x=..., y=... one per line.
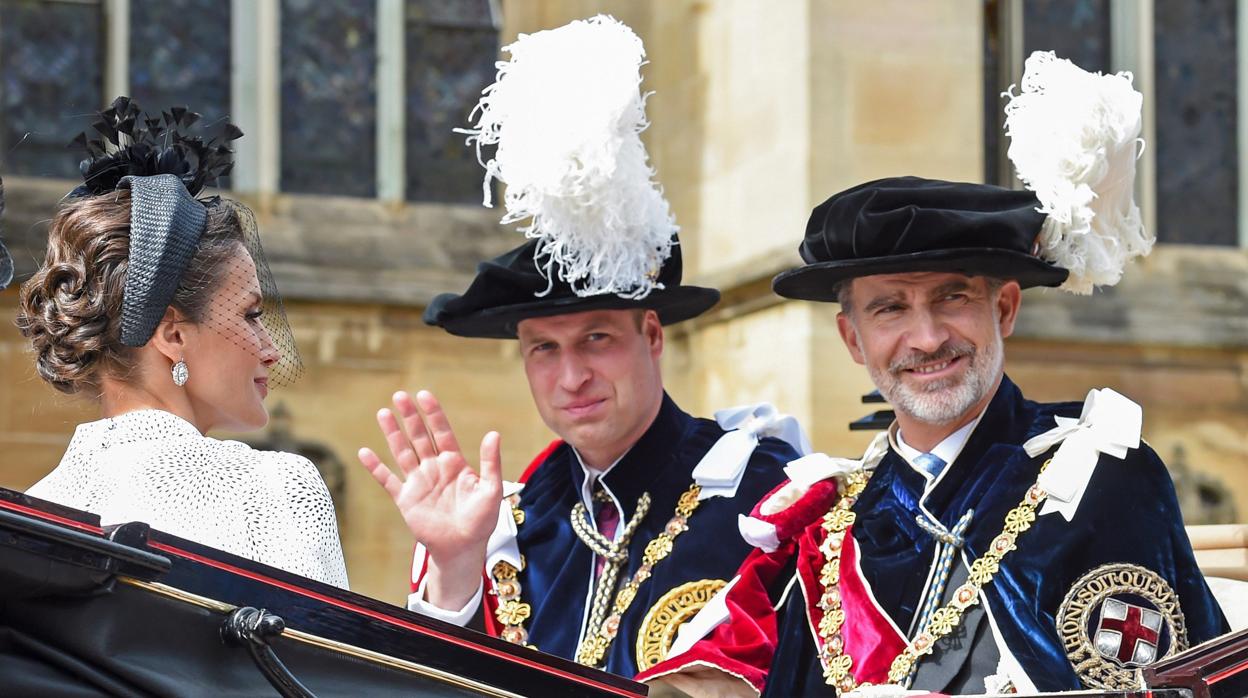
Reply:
x=623, y=528
x=985, y=542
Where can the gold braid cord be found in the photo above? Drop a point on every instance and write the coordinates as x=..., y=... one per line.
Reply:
x=598, y=639
x=836, y=664
x=615, y=554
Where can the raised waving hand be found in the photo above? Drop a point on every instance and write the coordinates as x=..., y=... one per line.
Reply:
x=447, y=505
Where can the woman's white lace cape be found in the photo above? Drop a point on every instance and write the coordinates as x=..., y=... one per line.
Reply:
x=155, y=467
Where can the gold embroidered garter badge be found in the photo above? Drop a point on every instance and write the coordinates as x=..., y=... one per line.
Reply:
x=1116, y=619
x=663, y=620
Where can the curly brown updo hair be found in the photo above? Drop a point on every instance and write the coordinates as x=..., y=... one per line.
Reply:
x=71, y=308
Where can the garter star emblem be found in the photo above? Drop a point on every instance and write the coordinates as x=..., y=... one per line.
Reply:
x=1116, y=619
x=663, y=620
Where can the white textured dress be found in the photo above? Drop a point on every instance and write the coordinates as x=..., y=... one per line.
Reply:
x=155, y=467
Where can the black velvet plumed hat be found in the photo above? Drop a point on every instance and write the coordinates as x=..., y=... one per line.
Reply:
x=600, y=233
x=506, y=290
x=911, y=224
x=1074, y=140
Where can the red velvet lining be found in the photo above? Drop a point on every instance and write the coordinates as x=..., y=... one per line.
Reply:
x=809, y=508
x=869, y=635
x=423, y=568
x=744, y=645
x=541, y=458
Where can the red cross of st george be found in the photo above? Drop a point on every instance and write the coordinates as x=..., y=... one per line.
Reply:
x=1133, y=630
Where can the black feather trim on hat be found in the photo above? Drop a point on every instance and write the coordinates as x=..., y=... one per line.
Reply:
x=165, y=168
x=132, y=144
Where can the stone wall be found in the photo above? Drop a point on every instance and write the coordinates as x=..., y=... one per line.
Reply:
x=761, y=111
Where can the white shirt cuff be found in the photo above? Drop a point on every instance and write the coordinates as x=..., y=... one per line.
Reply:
x=416, y=602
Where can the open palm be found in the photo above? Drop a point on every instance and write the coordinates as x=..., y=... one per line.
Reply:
x=447, y=505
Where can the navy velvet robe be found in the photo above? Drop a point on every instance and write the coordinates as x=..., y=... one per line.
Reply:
x=1129, y=514
x=559, y=571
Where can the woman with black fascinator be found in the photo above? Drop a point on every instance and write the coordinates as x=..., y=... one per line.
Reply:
x=159, y=306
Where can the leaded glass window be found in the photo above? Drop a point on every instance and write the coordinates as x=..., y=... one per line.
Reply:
x=1197, y=151
x=180, y=56
x=329, y=97
x=995, y=77
x=51, y=73
x=451, y=46
x=1077, y=30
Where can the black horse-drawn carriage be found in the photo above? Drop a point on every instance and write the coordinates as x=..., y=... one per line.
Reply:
x=126, y=610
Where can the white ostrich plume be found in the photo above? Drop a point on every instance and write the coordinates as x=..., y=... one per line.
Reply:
x=566, y=113
x=1074, y=140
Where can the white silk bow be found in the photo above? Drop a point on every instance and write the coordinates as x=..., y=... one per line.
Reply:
x=720, y=470
x=1110, y=424
x=803, y=473
x=810, y=469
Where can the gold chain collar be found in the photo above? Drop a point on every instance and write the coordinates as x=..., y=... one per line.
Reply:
x=837, y=664
x=512, y=611
x=598, y=639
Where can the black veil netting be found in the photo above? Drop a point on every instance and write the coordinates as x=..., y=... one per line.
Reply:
x=166, y=169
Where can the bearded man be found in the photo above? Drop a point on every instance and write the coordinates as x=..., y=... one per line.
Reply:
x=985, y=542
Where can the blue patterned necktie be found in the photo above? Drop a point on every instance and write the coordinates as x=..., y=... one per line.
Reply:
x=948, y=543
x=930, y=462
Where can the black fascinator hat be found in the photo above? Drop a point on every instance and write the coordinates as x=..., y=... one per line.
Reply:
x=509, y=288
x=911, y=224
x=128, y=143
x=165, y=169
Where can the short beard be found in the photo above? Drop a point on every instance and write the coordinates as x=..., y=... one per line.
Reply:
x=944, y=401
